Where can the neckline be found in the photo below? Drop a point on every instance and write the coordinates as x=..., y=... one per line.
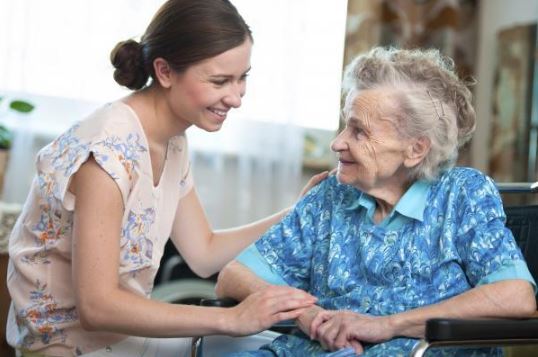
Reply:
x=148, y=154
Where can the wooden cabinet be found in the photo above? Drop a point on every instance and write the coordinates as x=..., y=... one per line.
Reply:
x=5, y=349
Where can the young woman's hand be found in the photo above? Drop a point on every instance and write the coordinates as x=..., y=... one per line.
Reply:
x=261, y=310
x=314, y=180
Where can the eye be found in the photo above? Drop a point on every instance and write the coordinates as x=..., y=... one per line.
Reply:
x=357, y=131
x=243, y=77
x=220, y=82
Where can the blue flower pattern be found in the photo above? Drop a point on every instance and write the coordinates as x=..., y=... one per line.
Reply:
x=137, y=246
x=42, y=320
x=128, y=152
x=350, y=263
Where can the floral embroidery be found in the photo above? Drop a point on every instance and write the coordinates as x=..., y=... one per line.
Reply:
x=49, y=229
x=43, y=317
x=47, y=316
x=66, y=151
x=40, y=257
x=127, y=151
x=137, y=247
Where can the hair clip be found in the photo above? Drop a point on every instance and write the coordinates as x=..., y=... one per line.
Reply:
x=435, y=106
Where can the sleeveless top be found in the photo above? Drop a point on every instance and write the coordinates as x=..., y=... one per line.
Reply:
x=43, y=316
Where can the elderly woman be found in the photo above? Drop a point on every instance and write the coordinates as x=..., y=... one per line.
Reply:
x=400, y=235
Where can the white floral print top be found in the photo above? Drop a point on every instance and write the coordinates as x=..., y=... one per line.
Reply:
x=43, y=316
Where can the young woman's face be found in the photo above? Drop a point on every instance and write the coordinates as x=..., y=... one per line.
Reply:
x=206, y=91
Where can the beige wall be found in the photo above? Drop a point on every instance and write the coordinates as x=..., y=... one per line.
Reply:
x=494, y=15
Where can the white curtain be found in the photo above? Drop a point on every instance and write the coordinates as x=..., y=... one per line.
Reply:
x=60, y=48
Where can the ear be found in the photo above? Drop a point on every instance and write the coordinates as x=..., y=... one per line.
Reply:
x=417, y=151
x=163, y=72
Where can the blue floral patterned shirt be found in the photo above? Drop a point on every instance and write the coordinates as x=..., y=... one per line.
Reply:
x=442, y=239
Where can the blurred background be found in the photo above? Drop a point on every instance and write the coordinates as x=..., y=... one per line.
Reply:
x=54, y=55
x=54, y=70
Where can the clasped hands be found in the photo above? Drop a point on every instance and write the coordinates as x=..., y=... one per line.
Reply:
x=340, y=329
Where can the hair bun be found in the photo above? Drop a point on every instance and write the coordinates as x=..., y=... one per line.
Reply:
x=127, y=59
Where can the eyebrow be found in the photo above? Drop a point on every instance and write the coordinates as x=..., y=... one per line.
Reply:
x=362, y=124
x=228, y=76
x=354, y=121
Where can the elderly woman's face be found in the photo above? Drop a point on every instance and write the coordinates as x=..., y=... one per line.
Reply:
x=371, y=153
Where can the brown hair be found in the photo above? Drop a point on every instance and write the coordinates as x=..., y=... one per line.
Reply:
x=183, y=32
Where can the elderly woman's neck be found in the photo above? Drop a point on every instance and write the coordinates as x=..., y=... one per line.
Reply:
x=386, y=198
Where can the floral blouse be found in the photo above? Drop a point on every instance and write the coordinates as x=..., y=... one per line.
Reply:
x=43, y=316
x=452, y=239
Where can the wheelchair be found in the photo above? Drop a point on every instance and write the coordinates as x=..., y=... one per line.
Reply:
x=522, y=220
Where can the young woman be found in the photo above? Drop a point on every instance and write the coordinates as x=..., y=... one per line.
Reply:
x=111, y=190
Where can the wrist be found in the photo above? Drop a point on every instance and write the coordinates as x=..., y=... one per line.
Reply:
x=225, y=321
x=394, y=325
x=308, y=315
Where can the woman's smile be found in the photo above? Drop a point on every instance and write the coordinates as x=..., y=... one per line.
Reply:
x=219, y=114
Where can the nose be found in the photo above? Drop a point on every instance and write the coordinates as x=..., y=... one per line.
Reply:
x=339, y=143
x=234, y=95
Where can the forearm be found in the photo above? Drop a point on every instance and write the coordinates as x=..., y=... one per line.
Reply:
x=237, y=281
x=124, y=312
x=511, y=298
x=224, y=245
x=243, y=236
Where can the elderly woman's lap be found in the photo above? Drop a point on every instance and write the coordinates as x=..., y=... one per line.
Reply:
x=295, y=346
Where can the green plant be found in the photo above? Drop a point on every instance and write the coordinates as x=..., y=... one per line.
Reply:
x=6, y=136
x=20, y=106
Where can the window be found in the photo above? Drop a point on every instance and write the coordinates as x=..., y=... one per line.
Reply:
x=61, y=48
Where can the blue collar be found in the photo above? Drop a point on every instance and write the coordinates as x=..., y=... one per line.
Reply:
x=411, y=204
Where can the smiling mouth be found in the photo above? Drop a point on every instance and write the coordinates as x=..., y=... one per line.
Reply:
x=220, y=113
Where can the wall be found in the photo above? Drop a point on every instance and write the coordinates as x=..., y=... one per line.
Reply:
x=494, y=15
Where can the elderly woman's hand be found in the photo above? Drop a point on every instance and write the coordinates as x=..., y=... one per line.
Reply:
x=339, y=329
x=264, y=308
x=304, y=321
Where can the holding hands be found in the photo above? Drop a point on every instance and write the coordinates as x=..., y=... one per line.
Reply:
x=340, y=329
x=264, y=308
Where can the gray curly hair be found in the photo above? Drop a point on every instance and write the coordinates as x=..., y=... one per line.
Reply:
x=430, y=100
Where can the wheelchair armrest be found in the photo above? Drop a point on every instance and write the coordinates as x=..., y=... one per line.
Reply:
x=447, y=330
x=281, y=327
x=220, y=302
x=461, y=332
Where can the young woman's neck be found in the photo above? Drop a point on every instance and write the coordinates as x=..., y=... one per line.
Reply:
x=155, y=115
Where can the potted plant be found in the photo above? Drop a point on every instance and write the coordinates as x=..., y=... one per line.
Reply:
x=8, y=212
x=6, y=135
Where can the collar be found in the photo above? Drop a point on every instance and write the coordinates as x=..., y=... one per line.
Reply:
x=411, y=204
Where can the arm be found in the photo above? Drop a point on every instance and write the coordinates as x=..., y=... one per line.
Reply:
x=510, y=298
x=504, y=299
x=196, y=241
x=103, y=305
x=489, y=258
x=238, y=282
